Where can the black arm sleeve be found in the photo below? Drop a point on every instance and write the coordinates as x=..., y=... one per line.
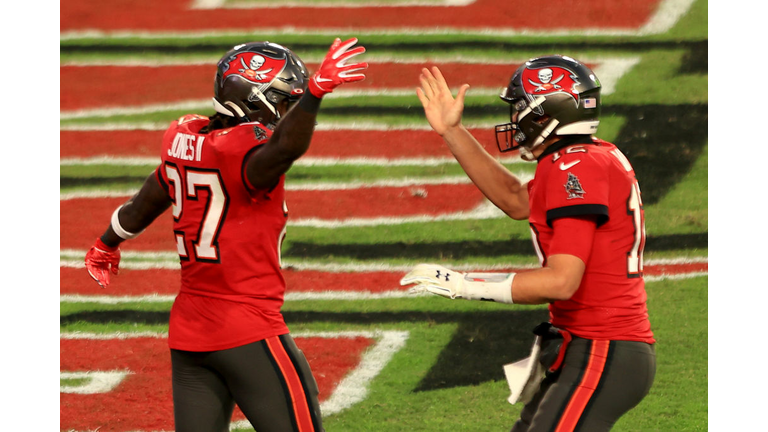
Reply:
x=141, y=210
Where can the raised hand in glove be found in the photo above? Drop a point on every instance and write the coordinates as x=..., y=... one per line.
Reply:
x=451, y=284
x=334, y=70
x=100, y=260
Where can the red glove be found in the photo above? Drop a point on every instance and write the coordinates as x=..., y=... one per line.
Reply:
x=334, y=71
x=98, y=261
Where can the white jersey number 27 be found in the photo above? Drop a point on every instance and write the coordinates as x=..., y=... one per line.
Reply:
x=205, y=245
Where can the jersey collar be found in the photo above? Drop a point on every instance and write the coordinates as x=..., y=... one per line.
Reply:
x=565, y=142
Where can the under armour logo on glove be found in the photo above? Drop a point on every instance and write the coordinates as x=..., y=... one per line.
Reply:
x=447, y=275
x=435, y=279
x=334, y=70
x=438, y=280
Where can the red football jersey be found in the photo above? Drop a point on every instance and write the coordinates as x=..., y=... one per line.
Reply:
x=227, y=235
x=596, y=179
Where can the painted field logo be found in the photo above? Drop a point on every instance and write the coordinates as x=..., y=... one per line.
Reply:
x=106, y=380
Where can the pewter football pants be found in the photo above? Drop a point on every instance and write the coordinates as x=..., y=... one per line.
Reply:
x=598, y=382
x=269, y=380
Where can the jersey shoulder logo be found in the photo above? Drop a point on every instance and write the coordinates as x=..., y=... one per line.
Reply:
x=259, y=133
x=573, y=187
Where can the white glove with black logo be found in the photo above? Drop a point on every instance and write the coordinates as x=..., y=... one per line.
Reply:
x=451, y=284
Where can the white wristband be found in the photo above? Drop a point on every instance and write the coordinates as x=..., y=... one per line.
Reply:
x=118, y=229
x=488, y=286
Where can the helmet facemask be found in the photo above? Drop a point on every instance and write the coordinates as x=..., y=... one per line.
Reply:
x=529, y=125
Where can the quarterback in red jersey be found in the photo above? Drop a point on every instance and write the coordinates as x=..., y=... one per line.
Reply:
x=595, y=356
x=223, y=178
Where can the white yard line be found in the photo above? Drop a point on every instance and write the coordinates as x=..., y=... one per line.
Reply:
x=354, y=387
x=666, y=16
x=414, y=182
x=349, y=124
x=73, y=258
x=484, y=210
x=202, y=105
x=609, y=70
x=306, y=161
x=328, y=295
x=370, y=57
x=97, y=381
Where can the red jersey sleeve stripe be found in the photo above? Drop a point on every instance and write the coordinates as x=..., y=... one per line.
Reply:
x=293, y=380
x=586, y=388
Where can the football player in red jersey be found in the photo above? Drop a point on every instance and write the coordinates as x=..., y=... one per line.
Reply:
x=223, y=178
x=586, y=219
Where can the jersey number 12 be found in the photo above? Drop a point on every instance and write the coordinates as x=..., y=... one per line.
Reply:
x=634, y=210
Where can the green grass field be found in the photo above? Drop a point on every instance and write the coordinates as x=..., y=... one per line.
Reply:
x=449, y=376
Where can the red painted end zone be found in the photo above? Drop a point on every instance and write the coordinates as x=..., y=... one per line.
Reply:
x=176, y=15
x=167, y=282
x=120, y=86
x=75, y=281
x=144, y=401
x=337, y=143
x=82, y=220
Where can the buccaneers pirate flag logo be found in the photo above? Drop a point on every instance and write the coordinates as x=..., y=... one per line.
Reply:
x=254, y=67
x=550, y=80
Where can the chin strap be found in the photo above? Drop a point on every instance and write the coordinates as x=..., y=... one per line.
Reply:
x=526, y=154
x=230, y=110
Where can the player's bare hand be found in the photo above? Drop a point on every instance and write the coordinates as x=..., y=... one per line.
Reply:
x=442, y=110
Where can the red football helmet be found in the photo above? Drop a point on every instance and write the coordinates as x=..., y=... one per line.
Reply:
x=253, y=79
x=550, y=95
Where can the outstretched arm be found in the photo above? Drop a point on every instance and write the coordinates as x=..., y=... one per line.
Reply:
x=294, y=131
x=559, y=279
x=501, y=187
x=128, y=221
